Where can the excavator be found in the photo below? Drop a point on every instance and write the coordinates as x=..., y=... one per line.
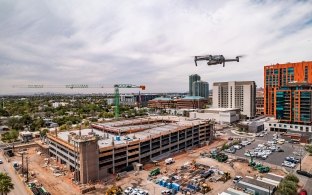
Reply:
x=114, y=190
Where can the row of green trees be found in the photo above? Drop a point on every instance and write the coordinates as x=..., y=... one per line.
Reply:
x=6, y=184
x=9, y=136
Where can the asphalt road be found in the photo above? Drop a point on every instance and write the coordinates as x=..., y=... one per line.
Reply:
x=19, y=187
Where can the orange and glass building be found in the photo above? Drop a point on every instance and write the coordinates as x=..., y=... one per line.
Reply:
x=290, y=77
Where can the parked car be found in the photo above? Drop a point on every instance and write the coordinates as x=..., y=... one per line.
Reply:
x=292, y=159
x=237, y=179
x=304, y=173
x=288, y=164
x=249, y=154
x=280, y=150
x=265, y=156
x=230, y=138
x=237, y=147
x=230, y=150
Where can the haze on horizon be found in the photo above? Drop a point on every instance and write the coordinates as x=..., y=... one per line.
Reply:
x=147, y=42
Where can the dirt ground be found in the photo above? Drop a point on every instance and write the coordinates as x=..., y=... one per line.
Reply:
x=238, y=168
x=44, y=175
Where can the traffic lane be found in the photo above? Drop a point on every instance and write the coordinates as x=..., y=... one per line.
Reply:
x=19, y=187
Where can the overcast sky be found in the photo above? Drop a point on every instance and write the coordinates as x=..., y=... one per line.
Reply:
x=147, y=42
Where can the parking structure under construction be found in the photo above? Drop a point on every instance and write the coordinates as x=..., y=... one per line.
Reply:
x=113, y=147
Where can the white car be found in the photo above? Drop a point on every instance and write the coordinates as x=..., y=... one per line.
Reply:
x=249, y=154
x=128, y=190
x=237, y=147
x=288, y=164
x=261, y=135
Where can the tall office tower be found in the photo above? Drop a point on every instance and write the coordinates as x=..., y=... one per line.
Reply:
x=235, y=94
x=200, y=88
x=294, y=104
x=279, y=75
x=192, y=78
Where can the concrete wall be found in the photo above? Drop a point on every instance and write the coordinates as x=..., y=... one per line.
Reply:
x=89, y=161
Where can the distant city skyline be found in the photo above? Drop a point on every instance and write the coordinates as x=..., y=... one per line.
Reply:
x=151, y=43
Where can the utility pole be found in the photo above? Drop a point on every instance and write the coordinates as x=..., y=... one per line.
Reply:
x=26, y=169
x=22, y=162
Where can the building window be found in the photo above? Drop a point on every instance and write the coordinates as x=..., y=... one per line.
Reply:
x=296, y=127
x=284, y=126
x=291, y=126
x=280, y=125
x=301, y=128
x=274, y=125
x=269, y=124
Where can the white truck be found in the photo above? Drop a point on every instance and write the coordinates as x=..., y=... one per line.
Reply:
x=169, y=161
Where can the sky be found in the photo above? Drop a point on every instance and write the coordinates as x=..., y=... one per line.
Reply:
x=153, y=42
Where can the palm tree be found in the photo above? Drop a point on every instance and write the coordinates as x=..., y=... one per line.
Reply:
x=6, y=184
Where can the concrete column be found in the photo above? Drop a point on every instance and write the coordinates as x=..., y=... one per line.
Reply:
x=178, y=141
x=192, y=136
x=113, y=160
x=127, y=156
x=140, y=152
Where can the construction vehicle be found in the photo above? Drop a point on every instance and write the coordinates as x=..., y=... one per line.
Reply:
x=258, y=166
x=225, y=177
x=219, y=156
x=205, y=188
x=114, y=190
x=169, y=161
x=155, y=172
x=84, y=86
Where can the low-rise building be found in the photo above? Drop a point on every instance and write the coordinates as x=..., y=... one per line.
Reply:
x=113, y=147
x=220, y=115
x=255, y=186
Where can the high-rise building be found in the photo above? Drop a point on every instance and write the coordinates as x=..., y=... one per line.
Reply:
x=279, y=75
x=293, y=104
x=192, y=78
x=236, y=94
x=259, y=102
x=200, y=88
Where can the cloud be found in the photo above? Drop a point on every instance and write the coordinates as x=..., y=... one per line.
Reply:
x=149, y=42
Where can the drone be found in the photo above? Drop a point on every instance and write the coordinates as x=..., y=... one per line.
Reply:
x=215, y=59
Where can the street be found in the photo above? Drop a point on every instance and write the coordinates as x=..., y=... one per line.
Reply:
x=19, y=187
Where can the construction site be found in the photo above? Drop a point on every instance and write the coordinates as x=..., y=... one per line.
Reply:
x=192, y=172
x=115, y=147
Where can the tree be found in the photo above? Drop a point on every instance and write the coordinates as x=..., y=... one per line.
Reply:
x=44, y=132
x=292, y=177
x=288, y=185
x=6, y=184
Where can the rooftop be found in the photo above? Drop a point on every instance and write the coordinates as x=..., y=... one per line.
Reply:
x=122, y=132
x=222, y=109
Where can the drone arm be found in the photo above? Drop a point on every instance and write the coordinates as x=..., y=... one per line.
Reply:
x=200, y=58
x=232, y=60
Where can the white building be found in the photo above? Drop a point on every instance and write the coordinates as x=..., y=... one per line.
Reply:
x=220, y=115
x=274, y=125
x=58, y=104
x=236, y=94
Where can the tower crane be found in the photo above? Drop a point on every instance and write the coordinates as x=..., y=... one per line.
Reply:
x=83, y=86
x=117, y=95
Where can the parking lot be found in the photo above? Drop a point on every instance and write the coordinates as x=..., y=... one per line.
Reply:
x=275, y=158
